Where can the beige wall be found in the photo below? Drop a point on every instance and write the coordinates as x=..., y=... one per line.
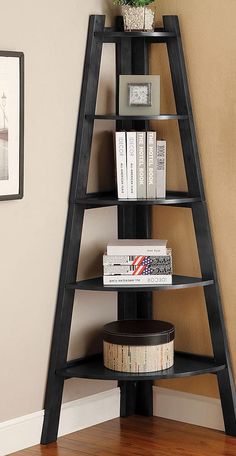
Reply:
x=209, y=39
x=52, y=34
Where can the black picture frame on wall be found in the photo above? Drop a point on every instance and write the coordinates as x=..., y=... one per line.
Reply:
x=11, y=125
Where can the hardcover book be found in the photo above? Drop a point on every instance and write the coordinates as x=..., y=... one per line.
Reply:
x=137, y=260
x=123, y=280
x=137, y=270
x=161, y=169
x=151, y=164
x=121, y=166
x=141, y=165
x=137, y=247
x=131, y=139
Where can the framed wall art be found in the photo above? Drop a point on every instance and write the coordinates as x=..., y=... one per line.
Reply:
x=11, y=124
x=139, y=95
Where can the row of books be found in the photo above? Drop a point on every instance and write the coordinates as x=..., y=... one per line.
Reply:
x=137, y=262
x=140, y=165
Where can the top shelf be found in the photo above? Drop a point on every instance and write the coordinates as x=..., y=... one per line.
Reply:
x=159, y=35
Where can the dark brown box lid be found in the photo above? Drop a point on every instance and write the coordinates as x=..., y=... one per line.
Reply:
x=138, y=332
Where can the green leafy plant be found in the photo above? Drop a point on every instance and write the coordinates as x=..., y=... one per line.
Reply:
x=133, y=2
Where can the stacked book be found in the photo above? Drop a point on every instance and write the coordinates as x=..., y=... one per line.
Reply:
x=140, y=165
x=137, y=262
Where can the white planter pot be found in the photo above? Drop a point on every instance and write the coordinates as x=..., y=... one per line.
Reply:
x=137, y=18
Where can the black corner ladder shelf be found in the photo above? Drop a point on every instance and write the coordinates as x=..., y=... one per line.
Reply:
x=133, y=302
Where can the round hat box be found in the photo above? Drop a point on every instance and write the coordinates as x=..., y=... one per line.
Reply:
x=138, y=345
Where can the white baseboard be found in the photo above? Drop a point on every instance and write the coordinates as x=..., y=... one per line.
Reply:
x=25, y=431
x=89, y=411
x=188, y=408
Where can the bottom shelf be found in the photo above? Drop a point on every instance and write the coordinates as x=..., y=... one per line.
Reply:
x=185, y=365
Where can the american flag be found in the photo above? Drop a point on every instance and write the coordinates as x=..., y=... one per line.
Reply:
x=142, y=260
x=143, y=270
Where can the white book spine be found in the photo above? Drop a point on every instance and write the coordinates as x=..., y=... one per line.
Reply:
x=121, y=166
x=151, y=164
x=123, y=280
x=147, y=250
x=161, y=169
x=141, y=165
x=131, y=139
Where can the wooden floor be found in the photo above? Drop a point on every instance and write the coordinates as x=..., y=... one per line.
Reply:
x=139, y=436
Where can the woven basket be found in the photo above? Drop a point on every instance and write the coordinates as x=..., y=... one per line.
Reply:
x=138, y=345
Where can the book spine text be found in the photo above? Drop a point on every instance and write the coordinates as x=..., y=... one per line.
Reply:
x=151, y=164
x=123, y=280
x=141, y=165
x=121, y=167
x=131, y=164
x=161, y=169
x=136, y=250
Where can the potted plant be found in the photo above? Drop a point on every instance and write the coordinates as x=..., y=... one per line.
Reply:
x=136, y=15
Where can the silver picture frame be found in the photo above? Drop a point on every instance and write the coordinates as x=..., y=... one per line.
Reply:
x=140, y=94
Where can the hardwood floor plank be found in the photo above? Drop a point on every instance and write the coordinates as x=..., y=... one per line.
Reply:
x=139, y=436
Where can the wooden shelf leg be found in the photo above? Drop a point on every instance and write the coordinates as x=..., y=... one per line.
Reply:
x=201, y=224
x=216, y=317
x=74, y=225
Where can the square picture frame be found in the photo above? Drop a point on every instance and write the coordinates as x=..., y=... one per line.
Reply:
x=11, y=125
x=139, y=95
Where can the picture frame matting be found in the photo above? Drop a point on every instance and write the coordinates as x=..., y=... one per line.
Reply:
x=139, y=95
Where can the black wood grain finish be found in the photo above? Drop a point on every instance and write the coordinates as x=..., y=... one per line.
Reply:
x=178, y=283
x=110, y=199
x=216, y=316
x=110, y=35
x=140, y=65
x=137, y=118
x=65, y=298
x=183, y=103
x=127, y=303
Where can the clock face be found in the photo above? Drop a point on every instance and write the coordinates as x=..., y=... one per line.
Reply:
x=139, y=94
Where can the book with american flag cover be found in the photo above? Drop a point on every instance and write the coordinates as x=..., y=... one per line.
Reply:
x=143, y=269
x=137, y=260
